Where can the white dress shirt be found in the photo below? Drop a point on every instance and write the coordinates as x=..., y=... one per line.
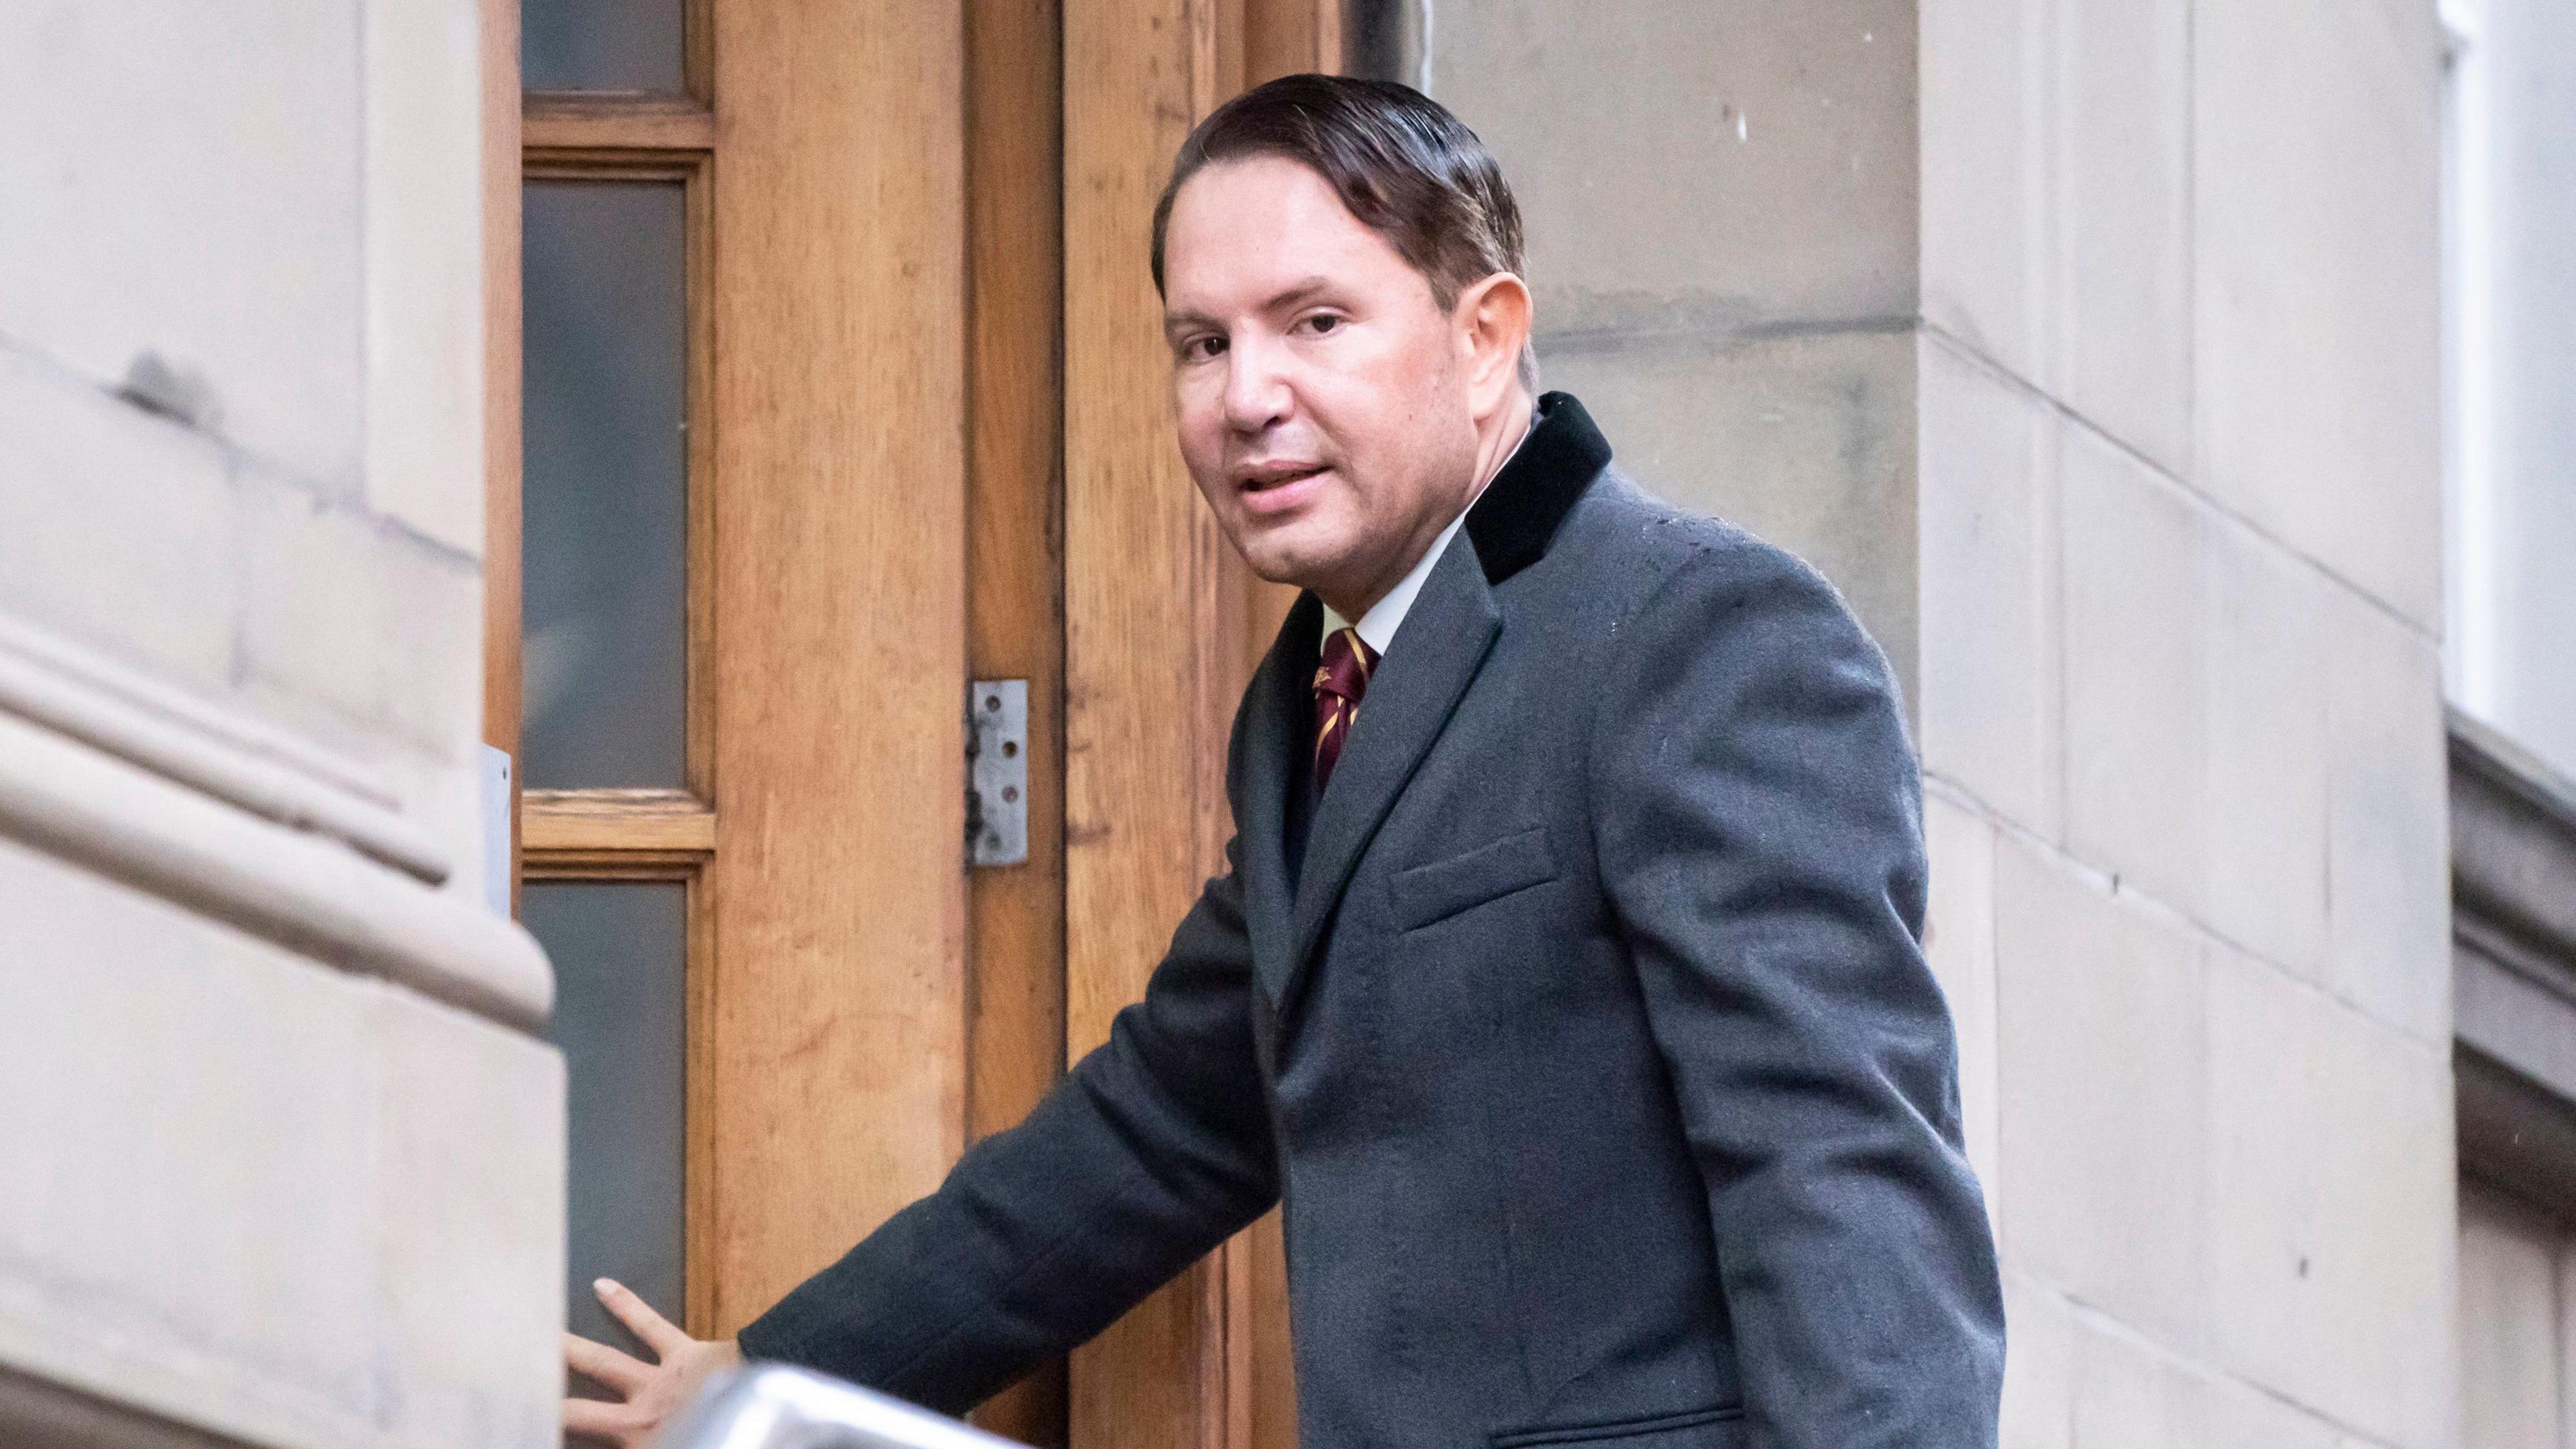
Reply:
x=1377, y=626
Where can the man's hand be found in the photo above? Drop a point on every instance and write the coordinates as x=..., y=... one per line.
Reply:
x=647, y=1393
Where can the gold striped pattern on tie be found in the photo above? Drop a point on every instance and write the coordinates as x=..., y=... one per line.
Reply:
x=1340, y=680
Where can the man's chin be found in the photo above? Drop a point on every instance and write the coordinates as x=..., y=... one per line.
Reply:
x=1280, y=556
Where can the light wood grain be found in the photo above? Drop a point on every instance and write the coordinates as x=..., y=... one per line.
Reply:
x=616, y=124
x=658, y=823
x=699, y=581
x=1153, y=640
x=1290, y=37
x=1015, y=591
x=698, y=49
x=838, y=1015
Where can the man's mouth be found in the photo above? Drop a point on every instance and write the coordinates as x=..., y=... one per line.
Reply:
x=1268, y=476
x=1279, y=490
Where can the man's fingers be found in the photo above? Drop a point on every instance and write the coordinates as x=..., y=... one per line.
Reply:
x=599, y=1419
x=657, y=1332
x=619, y=1371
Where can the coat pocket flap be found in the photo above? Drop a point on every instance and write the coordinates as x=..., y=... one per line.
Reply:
x=1427, y=893
x=1704, y=1429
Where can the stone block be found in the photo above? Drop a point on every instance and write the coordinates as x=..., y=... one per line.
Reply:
x=2136, y=671
x=470, y=1207
x=2332, y=1196
x=2103, y=1027
x=2056, y=147
x=2129, y=1396
x=1987, y=514
x=1806, y=440
x=433, y=642
x=2317, y=285
x=2195, y=715
x=2232, y=1415
x=443, y=797
x=191, y=1139
x=115, y=525
x=366, y=622
x=185, y=182
x=2121, y=268
x=2129, y=1393
x=1700, y=168
x=1959, y=941
x=253, y=1193
x=2388, y=829
x=424, y=269
x=312, y=600
x=1985, y=179
x=2265, y=751
x=2040, y=1336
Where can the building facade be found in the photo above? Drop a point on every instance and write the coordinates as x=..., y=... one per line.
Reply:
x=283, y=1153
x=733, y=411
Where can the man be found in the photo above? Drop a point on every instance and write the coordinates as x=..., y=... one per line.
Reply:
x=1563, y=980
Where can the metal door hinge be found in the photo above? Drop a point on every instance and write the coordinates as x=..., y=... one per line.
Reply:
x=997, y=772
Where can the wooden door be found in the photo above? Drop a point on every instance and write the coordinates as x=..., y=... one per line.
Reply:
x=825, y=376
x=727, y=614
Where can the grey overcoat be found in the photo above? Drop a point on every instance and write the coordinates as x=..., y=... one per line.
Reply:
x=1581, y=1025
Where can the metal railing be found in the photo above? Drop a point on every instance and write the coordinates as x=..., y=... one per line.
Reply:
x=772, y=1406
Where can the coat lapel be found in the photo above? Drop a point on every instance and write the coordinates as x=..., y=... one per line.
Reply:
x=1279, y=719
x=1429, y=664
x=1412, y=693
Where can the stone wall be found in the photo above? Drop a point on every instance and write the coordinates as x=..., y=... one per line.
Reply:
x=285, y=1162
x=1720, y=206
x=2091, y=347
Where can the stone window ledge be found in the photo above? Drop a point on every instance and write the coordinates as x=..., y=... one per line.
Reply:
x=2513, y=884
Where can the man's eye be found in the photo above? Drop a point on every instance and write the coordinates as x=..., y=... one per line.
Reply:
x=1200, y=349
x=1323, y=322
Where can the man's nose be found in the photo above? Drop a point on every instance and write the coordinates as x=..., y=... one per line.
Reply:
x=1256, y=386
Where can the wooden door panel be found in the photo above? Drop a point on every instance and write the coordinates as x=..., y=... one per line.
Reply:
x=839, y=1009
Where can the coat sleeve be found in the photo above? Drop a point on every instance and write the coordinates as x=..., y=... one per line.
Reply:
x=1153, y=1149
x=1757, y=813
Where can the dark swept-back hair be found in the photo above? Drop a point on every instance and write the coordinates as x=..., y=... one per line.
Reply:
x=1408, y=169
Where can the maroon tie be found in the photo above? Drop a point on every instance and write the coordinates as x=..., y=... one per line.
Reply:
x=1340, y=680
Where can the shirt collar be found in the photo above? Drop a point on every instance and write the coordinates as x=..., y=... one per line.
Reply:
x=1377, y=627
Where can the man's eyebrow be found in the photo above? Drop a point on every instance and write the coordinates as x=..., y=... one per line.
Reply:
x=1303, y=291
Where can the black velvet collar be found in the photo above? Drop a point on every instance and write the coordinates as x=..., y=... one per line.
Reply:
x=1512, y=522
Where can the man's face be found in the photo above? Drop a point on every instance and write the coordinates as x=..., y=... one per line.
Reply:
x=1322, y=390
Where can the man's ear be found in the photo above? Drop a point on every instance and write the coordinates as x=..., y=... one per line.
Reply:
x=1493, y=322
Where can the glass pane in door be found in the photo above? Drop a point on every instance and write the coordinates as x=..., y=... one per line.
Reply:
x=604, y=504
x=620, y=952
x=600, y=45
